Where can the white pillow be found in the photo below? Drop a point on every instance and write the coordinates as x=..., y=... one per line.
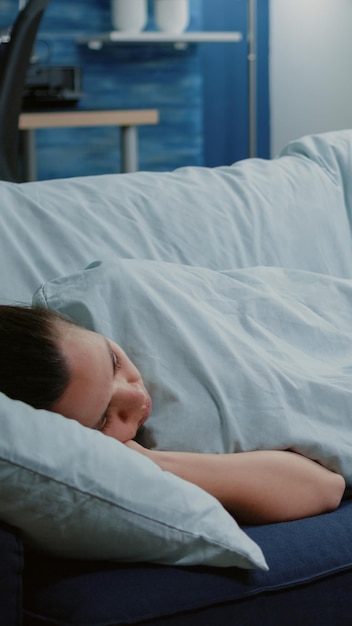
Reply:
x=76, y=493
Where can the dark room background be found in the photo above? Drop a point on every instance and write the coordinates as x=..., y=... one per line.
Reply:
x=201, y=91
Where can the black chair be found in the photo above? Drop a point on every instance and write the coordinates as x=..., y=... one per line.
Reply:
x=14, y=64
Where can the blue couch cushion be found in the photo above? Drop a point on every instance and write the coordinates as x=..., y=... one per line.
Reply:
x=309, y=582
x=11, y=570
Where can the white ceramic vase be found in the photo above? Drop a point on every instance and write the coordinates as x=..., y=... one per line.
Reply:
x=171, y=16
x=129, y=15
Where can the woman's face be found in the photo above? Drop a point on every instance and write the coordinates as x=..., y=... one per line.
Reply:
x=106, y=391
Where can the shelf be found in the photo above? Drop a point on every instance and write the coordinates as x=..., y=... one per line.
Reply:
x=32, y=120
x=96, y=41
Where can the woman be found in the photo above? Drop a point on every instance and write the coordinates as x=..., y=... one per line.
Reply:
x=51, y=363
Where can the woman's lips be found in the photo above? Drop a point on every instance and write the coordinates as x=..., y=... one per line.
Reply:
x=147, y=412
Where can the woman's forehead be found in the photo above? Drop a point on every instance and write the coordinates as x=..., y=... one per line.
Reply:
x=89, y=362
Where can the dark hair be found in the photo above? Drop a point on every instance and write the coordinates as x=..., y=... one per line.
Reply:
x=32, y=368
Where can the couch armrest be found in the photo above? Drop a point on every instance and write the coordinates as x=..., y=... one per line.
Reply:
x=11, y=571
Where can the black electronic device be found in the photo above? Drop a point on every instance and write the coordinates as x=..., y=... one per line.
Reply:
x=50, y=86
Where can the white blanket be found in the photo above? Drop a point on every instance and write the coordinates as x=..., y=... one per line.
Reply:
x=257, y=358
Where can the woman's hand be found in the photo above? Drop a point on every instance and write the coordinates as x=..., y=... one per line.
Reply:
x=135, y=446
x=151, y=454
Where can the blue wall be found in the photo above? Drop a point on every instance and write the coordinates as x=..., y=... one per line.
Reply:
x=226, y=85
x=142, y=76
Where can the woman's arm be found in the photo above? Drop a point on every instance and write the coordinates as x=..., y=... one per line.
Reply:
x=257, y=487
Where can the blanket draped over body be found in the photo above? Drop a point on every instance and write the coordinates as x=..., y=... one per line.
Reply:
x=237, y=360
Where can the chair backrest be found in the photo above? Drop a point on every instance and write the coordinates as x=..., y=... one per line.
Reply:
x=14, y=65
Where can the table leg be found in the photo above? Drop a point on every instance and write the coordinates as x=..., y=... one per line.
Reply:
x=29, y=155
x=129, y=149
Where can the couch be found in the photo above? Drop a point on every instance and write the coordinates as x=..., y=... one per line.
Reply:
x=291, y=212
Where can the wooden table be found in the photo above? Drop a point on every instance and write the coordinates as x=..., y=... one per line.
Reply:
x=127, y=120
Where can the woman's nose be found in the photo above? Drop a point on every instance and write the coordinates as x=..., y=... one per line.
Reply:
x=128, y=400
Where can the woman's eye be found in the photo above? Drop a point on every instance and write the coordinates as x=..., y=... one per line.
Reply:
x=116, y=362
x=101, y=425
x=116, y=365
x=104, y=423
